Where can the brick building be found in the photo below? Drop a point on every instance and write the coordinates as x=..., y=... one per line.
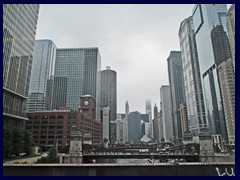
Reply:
x=52, y=128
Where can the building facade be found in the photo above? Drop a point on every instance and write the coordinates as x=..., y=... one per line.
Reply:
x=227, y=84
x=149, y=112
x=19, y=30
x=175, y=74
x=192, y=78
x=205, y=18
x=231, y=31
x=105, y=117
x=53, y=127
x=134, y=127
x=166, y=108
x=44, y=55
x=109, y=92
x=81, y=67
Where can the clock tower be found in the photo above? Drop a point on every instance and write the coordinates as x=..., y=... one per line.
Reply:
x=87, y=106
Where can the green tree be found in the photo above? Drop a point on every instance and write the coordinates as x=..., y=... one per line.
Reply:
x=18, y=141
x=28, y=142
x=7, y=142
x=52, y=155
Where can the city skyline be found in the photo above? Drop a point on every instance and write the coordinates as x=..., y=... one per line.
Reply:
x=135, y=41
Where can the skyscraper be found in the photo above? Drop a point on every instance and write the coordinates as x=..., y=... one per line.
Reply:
x=226, y=75
x=134, y=127
x=105, y=116
x=205, y=18
x=109, y=91
x=19, y=29
x=126, y=138
x=192, y=78
x=156, y=124
x=175, y=73
x=231, y=31
x=44, y=55
x=81, y=67
x=166, y=108
x=149, y=112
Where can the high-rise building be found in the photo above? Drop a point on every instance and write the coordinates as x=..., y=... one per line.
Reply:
x=19, y=30
x=105, y=116
x=44, y=55
x=220, y=44
x=149, y=112
x=184, y=118
x=166, y=108
x=134, y=127
x=81, y=67
x=175, y=73
x=205, y=18
x=192, y=78
x=226, y=75
x=126, y=138
x=109, y=91
x=227, y=84
x=231, y=31
x=156, y=124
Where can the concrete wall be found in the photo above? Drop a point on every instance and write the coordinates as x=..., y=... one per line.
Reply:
x=163, y=169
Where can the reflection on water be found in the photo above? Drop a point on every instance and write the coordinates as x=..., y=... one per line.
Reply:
x=123, y=161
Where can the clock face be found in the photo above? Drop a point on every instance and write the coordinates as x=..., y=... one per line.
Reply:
x=86, y=103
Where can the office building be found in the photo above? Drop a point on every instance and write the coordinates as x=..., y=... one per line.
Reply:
x=81, y=67
x=109, y=91
x=156, y=124
x=192, y=79
x=227, y=84
x=177, y=92
x=226, y=75
x=126, y=123
x=134, y=127
x=205, y=18
x=231, y=31
x=19, y=30
x=166, y=108
x=105, y=117
x=44, y=55
x=149, y=112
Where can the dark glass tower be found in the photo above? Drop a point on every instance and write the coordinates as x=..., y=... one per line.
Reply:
x=109, y=92
x=175, y=73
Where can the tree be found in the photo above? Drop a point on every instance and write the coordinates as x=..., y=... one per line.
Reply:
x=52, y=155
x=7, y=142
x=18, y=141
x=28, y=142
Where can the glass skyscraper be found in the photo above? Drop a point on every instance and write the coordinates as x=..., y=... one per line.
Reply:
x=19, y=30
x=177, y=92
x=192, y=78
x=81, y=67
x=44, y=56
x=205, y=18
x=109, y=92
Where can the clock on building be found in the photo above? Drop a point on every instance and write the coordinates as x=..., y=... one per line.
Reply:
x=86, y=103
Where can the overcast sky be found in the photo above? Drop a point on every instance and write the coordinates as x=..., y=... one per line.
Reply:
x=135, y=40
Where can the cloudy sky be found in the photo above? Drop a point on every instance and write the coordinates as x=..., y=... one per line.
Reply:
x=135, y=40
